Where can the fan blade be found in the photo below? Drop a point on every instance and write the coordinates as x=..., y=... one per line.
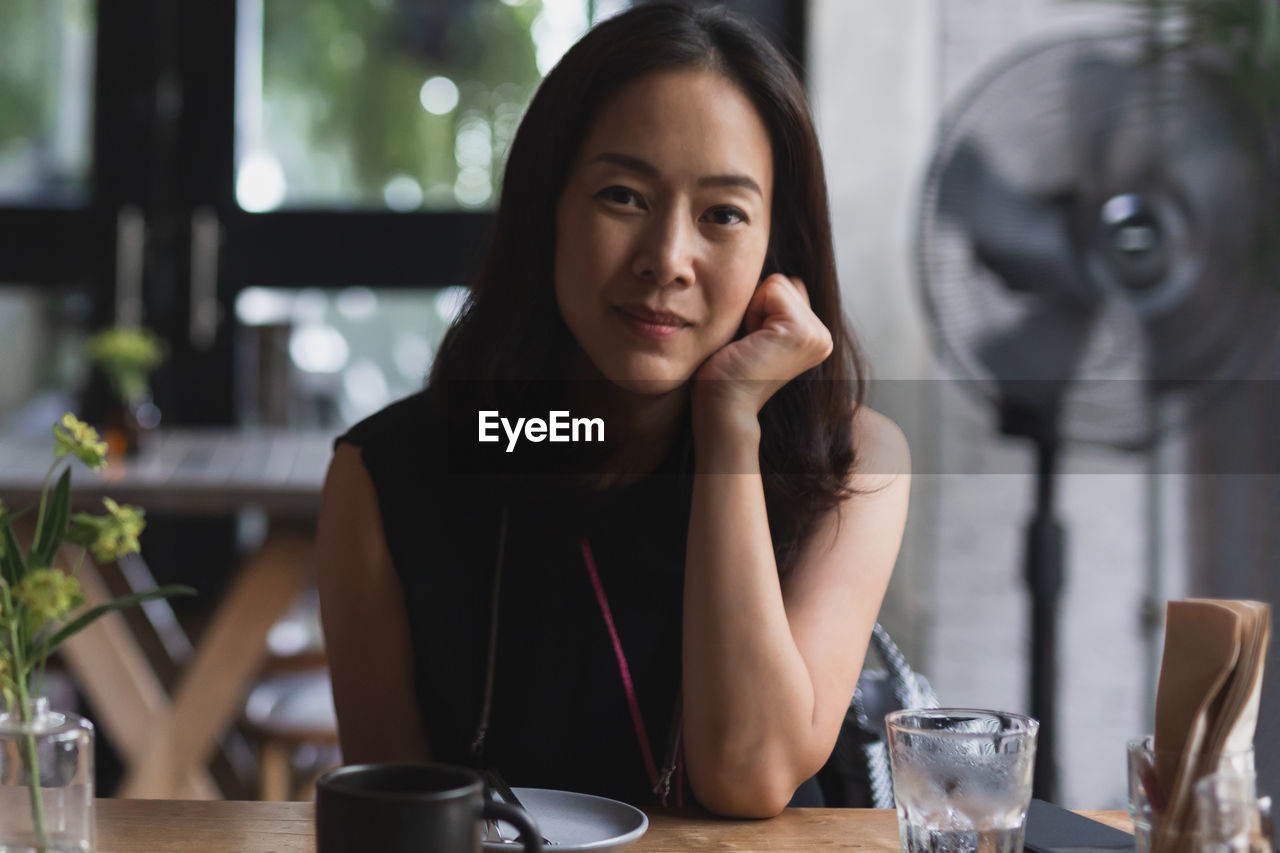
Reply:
x=1205, y=318
x=1219, y=327
x=1023, y=239
x=1034, y=360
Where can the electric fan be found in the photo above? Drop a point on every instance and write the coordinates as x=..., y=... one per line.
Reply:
x=1094, y=234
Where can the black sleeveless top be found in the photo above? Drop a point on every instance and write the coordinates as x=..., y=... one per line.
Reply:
x=560, y=717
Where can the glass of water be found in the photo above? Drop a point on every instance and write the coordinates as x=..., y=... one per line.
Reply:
x=961, y=779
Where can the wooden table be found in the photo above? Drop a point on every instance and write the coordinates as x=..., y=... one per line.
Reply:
x=176, y=826
x=166, y=738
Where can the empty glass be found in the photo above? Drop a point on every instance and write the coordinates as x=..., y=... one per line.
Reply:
x=1229, y=816
x=1147, y=800
x=961, y=779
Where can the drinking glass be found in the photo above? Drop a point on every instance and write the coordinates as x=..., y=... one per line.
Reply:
x=961, y=779
x=1229, y=815
x=1147, y=800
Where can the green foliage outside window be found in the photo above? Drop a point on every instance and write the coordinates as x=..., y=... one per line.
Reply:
x=346, y=75
x=45, y=59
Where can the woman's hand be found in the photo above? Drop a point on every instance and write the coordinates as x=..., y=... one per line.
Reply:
x=783, y=339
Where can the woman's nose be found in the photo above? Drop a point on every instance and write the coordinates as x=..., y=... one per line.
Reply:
x=665, y=253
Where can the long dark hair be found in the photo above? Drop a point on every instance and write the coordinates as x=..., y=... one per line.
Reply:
x=511, y=332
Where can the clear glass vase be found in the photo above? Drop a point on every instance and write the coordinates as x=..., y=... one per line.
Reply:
x=46, y=781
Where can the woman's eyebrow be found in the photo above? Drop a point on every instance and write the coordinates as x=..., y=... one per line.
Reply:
x=647, y=169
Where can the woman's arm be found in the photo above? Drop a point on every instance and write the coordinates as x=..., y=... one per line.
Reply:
x=769, y=667
x=366, y=630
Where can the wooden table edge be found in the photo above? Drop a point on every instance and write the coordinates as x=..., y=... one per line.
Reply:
x=197, y=826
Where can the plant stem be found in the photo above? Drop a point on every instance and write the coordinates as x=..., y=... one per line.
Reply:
x=42, y=658
x=32, y=757
x=37, y=800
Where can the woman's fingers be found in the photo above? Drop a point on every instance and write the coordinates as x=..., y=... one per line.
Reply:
x=757, y=308
x=776, y=297
x=783, y=338
x=786, y=299
x=799, y=285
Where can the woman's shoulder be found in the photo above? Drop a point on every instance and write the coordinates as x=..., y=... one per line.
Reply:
x=410, y=420
x=880, y=447
x=401, y=447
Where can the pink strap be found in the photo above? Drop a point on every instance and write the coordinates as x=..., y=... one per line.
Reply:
x=636, y=719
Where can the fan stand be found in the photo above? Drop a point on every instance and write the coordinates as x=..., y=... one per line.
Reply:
x=1043, y=572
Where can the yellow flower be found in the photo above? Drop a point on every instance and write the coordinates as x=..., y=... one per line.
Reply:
x=127, y=354
x=132, y=347
x=108, y=537
x=47, y=594
x=72, y=436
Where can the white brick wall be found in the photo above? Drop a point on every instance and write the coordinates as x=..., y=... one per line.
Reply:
x=880, y=74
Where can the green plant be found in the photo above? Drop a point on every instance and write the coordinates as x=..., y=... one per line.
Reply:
x=38, y=601
x=1244, y=35
x=127, y=355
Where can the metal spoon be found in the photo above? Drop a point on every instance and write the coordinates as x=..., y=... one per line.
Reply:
x=497, y=785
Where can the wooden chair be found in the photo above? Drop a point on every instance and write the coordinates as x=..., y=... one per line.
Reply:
x=290, y=711
x=287, y=713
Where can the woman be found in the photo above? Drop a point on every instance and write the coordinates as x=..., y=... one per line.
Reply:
x=661, y=260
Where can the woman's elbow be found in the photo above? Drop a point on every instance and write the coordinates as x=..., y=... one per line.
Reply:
x=738, y=796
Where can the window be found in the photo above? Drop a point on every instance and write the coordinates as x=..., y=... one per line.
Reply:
x=316, y=152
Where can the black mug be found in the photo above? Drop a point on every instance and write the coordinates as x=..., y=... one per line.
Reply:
x=409, y=808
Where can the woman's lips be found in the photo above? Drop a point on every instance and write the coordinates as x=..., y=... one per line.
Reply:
x=650, y=326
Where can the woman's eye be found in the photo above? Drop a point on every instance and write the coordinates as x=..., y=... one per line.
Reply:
x=726, y=216
x=620, y=195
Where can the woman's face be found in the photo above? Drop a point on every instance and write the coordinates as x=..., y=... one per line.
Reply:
x=662, y=227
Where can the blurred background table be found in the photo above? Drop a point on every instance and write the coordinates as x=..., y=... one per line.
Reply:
x=140, y=826
x=280, y=471
x=166, y=737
